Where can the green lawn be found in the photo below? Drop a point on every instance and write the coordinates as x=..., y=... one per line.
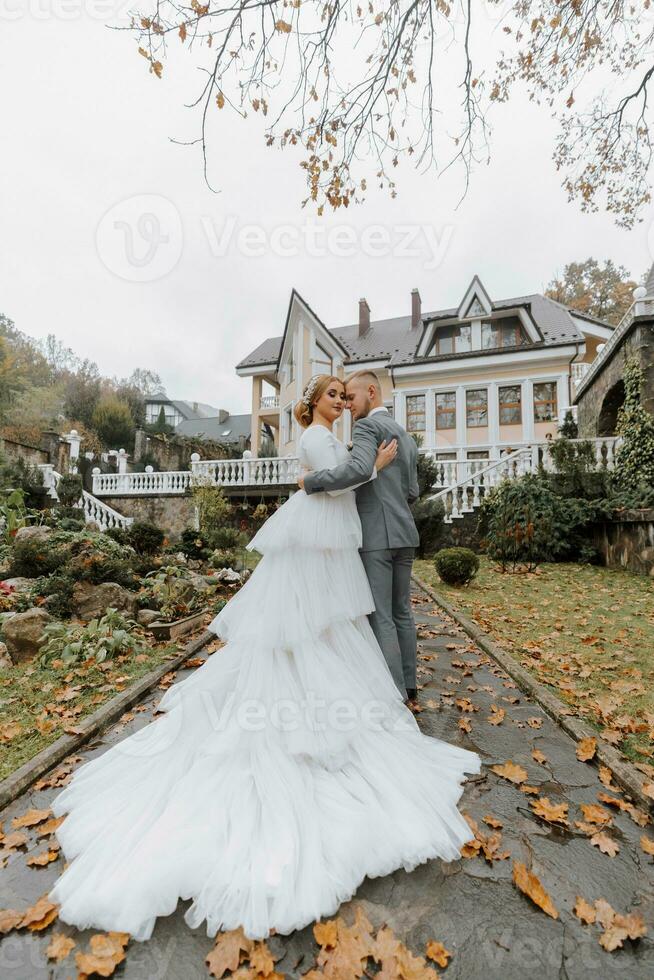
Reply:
x=585, y=631
x=38, y=704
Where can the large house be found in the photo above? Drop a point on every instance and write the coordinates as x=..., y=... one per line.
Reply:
x=474, y=381
x=176, y=410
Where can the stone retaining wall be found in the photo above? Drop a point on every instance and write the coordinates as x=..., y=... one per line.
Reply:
x=628, y=541
x=171, y=514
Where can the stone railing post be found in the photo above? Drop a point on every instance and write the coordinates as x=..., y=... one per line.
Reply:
x=74, y=440
x=247, y=456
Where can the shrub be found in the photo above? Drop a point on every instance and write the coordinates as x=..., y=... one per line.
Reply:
x=170, y=590
x=193, y=544
x=69, y=490
x=569, y=428
x=71, y=524
x=57, y=590
x=113, y=421
x=428, y=515
x=144, y=537
x=32, y=557
x=118, y=534
x=524, y=522
x=214, y=512
x=456, y=566
x=427, y=469
x=224, y=558
x=99, y=639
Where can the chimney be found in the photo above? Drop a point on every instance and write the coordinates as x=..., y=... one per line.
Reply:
x=223, y=415
x=364, y=317
x=416, y=309
x=195, y=406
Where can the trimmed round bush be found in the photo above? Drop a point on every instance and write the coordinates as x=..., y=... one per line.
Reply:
x=144, y=537
x=456, y=566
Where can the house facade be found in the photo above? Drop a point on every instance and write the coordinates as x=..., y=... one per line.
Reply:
x=474, y=382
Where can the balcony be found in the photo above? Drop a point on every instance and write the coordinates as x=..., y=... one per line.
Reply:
x=268, y=402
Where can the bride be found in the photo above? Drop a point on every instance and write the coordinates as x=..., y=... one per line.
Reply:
x=283, y=771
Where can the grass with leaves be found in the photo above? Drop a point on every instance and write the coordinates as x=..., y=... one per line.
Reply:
x=585, y=631
x=38, y=704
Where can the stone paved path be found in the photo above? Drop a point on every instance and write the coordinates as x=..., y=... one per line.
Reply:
x=472, y=906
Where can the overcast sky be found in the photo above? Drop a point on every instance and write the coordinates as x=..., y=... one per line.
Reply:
x=112, y=240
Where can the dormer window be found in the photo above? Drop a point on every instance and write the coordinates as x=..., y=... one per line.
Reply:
x=504, y=332
x=453, y=339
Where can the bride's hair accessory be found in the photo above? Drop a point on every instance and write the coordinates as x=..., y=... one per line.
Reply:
x=310, y=388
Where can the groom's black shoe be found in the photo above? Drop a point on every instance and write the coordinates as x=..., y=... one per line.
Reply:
x=411, y=693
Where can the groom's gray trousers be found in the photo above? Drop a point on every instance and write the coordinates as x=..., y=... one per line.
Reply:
x=389, y=574
x=389, y=534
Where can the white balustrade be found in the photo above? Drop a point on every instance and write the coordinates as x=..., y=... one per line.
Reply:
x=269, y=401
x=246, y=472
x=95, y=511
x=472, y=479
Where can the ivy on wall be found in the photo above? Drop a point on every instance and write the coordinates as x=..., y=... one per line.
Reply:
x=635, y=457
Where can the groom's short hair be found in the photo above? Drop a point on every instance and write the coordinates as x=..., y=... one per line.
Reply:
x=368, y=376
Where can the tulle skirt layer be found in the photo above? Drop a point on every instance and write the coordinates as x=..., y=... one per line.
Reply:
x=316, y=521
x=294, y=595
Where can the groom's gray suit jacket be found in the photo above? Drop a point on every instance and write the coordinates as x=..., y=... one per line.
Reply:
x=383, y=504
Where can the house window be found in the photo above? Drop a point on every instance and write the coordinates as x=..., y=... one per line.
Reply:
x=445, y=340
x=291, y=363
x=444, y=457
x=476, y=408
x=323, y=361
x=389, y=406
x=453, y=339
x=545, y=407
x=463, y=341
x=446, y=410
x=510, y=405
x=415, y=413
x=288, y=423
x=505, y=332
x=477, y=454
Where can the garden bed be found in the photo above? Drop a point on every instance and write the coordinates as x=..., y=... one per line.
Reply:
x=587, y=632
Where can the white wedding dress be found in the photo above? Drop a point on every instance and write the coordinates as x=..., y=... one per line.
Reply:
x=283, y=771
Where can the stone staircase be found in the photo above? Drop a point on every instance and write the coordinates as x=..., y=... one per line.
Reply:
x=95, y=511
x=462, y=490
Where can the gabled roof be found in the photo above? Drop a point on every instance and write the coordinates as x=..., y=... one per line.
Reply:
x=185, y=409
x=297, y=300
x=395, y=341
x=233, y=428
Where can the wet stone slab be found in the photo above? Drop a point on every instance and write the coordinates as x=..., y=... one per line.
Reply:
x=470, y=905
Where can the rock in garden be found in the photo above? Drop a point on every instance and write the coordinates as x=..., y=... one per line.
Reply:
x=22, y=633
x=92, y=601
x=147, y=616
x=228, y=575
x=31, y=533
x=19, y=584
x=5, y=659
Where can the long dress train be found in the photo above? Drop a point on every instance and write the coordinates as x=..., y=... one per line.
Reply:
x=282, y=771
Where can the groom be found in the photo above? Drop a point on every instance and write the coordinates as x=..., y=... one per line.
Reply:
x=389, y=532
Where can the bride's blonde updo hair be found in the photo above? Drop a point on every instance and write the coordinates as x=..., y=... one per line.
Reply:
x=313, y=392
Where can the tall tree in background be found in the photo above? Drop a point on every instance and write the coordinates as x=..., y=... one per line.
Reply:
x=148, y=382
x=360, y=89
x=112, y=420
x=602, y=291
x=83, y=390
